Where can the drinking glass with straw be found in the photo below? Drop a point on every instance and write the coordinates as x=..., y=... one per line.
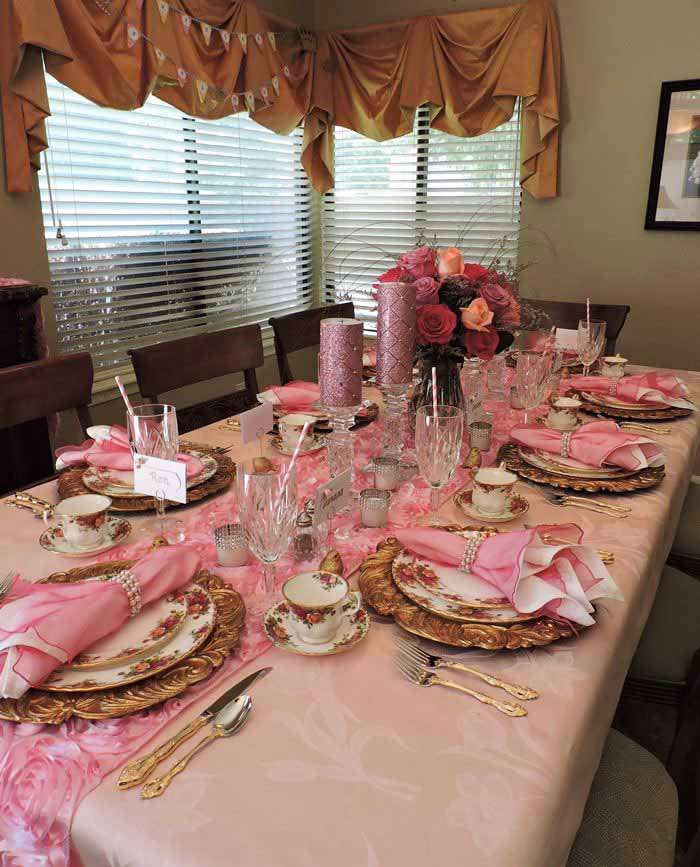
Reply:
x=438, y=444
x=590, y=341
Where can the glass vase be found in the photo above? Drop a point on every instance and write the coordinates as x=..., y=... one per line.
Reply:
x=449, y=387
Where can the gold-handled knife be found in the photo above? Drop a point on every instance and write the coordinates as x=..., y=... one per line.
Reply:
x=137, y=771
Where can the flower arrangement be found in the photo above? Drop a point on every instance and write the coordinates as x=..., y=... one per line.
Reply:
x=463, y=308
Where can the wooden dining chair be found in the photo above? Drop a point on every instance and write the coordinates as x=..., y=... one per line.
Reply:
x=175, y=364
x=302, y=330
x=567, y=314
x=37, y=390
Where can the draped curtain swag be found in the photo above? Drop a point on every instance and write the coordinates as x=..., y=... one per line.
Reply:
x=468, y=66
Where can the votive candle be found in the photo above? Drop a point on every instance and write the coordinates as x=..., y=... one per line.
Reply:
x=396, y=333
x=340, y=362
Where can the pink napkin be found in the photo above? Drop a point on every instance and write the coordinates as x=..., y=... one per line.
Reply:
x=558, y=580
x=45, y=625
x=661, y=388
x=296, y=396
x=109, y=448
x=594, y=444
x=369, y=358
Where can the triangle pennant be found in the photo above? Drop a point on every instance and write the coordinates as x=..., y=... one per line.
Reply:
x=181, y=76
x=202, y=88
x=226, y=38
x=258, y=39
x=186, y=21
x=250, y=100
x=286, y=71
x=234, y=100
x=132, y=35
x=161, y=56
x=206, y=31
x=243, y=39
x=276, y=84
x=163, y=8
x=264, y=92
x=272, y=41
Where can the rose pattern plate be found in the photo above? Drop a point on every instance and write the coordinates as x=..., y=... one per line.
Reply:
x=120, y=483
x=194, y=629
x=551, y=464
x=116, y=533
x=313, y=444
x=354, y=626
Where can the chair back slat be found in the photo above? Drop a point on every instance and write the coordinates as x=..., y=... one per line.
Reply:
x=302, y=330
x=566, y=314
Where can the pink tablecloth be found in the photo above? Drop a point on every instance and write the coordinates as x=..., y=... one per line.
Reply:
x=344, y=761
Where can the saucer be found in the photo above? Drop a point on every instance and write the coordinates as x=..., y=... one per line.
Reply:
x=518, y=507
x=316, y=442
x=116, y=533
x=279, y=629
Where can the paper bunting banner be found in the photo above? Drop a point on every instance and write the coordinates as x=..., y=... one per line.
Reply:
x=243, y=39
x=161, y=56
x=186, y=22
x=286, y=71
x=182, y=76
x=226, y=38
x=271, y=39
x=163, y=8
x=132, y=35
x=206, y=31
x=249, y=100
x=234, y=100
x=276, y=84
x=258, y=39
x=264, y=92
x=202, y=88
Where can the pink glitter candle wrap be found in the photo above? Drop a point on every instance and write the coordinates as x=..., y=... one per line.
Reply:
x=396, y=333
x=340, y=362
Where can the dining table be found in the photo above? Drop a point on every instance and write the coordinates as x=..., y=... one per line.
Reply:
x=343, y=761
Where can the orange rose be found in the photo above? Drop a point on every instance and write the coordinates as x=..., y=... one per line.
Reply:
x=477, y=317
x=450, y=262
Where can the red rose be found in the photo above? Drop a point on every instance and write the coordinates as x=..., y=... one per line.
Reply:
x=475, y=272
x=419, y=262
x=481, y=343
x=393, y=275
x=435, y=324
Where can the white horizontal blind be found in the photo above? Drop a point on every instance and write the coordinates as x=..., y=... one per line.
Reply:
x=175, y=225
x=426, y=187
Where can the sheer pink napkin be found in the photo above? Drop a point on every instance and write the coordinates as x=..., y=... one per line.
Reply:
x=659, y=388
x=109, y=448
x=558, y=580
x=296, y=396
x=593, y=444
x=45, y=625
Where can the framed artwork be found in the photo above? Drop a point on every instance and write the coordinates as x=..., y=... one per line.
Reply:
x=674, y=190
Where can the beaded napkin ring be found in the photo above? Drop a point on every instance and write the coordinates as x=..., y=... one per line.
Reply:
x=130, y=585
x=473, y=544
x=565, y=443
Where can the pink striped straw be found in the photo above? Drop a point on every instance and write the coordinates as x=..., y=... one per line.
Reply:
x=295, y=455
x=588, y=316
x=435, y=404
x=120, y=386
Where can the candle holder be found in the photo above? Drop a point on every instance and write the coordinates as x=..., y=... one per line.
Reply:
x=395, y=407
x=341, y=453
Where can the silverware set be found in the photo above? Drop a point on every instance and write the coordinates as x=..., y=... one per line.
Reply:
x=23, y=500
x=606, y=556
x=633, y=426
x=418, y=666
x=612, y=511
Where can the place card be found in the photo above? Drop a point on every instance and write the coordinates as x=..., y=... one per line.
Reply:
x=256, y=422
x=333, y=497
x=155, y=477
x=566, y=338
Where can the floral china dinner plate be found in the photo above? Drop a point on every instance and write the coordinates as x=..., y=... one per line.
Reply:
x=182, y=642
x=570, y=468
x=518, y=507
x=120, y=483
x=116, y=533
x=311, y=445
x=354, y=626
x=615, y=402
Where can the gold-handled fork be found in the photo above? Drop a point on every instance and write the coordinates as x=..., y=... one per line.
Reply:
x=628, y=425
x=429, y=660
x=581, y=503
x=415, y=672
x=606, y=556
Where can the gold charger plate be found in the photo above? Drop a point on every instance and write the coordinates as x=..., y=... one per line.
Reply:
x=640, y=481
x=550, y=463
x=70, y=484
x=39, y=706
x=665, y=414
x=379, y=591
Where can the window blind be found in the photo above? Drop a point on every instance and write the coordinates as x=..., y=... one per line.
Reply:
x=174, y=224
x=426, y=187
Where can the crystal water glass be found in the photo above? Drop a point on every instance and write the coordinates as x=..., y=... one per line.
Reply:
x=591, y=339
x=532, y=372
x=268, y=511
x=438, y=444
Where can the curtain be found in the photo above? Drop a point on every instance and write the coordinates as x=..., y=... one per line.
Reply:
x=470, y=67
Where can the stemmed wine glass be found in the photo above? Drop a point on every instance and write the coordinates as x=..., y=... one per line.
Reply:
x=438, y=443
x=152, y=429
x=532, y=372
x=591, y=339
x=268, y=510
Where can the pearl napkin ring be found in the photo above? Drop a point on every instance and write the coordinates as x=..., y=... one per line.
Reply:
x=130, y=585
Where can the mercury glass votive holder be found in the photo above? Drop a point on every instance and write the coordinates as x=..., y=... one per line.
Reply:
x=231, y=545
x=374, y=507
x=480, y=435
x=387, y=473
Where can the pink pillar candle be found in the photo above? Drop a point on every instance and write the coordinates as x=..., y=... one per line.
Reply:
x=340, y=362
x=396, y=333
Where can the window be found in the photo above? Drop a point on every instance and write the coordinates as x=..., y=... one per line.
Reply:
x=390, y=196
x=174, y=225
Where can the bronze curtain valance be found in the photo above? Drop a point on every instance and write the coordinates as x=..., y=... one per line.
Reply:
x=468, y=66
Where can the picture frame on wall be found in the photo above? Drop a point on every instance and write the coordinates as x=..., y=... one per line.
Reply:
x=674, y=189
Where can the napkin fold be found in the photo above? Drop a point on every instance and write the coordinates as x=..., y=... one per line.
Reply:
x=660, y=388
x=108, y=447
x=558, y=580
x=43, y=626
x=296, y=396
x=594, y=444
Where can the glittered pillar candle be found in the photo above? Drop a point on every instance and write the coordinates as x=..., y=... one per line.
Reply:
x=396, y=333
x=340, y=362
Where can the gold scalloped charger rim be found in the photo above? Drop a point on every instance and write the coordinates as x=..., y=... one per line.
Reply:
x=667, y=414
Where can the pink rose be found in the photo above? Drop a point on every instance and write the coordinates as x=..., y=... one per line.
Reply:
x=482, y=344
x=510, y=317
x=435, y=323
x=477, y=317
x=426, y=291
x=450, y=262
x=497, y=297
x=475, y=272
x=419, y=262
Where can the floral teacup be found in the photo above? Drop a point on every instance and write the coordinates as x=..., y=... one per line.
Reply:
x=493, y=490
x=613, y=366
x=291, y=426
x=82, y=519
x=317, y=601
x=563, y=413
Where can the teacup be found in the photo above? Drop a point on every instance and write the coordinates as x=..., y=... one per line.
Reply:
x=291, y=426
x=563, y=413
x=82, y=519
x=613, y=366
x=317, y=602
x=493, y=490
